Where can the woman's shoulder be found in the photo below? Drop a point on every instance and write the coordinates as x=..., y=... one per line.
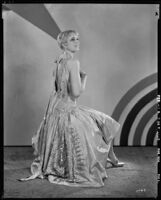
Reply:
x=73, y=61
x=73, y=64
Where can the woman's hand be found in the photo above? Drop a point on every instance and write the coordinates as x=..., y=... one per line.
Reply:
x=83, y=77
x=82, y=74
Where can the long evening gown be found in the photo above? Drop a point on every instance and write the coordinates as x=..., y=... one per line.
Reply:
x=70, y=145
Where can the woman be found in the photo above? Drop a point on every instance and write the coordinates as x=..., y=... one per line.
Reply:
x=73, y=143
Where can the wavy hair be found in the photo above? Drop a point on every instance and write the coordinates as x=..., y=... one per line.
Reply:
x=63, y=36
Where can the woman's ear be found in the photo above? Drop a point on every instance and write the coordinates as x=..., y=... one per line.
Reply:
x=64, y=45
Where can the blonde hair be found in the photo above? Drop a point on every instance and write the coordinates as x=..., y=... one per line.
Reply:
x=63, y=36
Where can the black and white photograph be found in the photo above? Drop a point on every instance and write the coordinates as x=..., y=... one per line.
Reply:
x=80, y=84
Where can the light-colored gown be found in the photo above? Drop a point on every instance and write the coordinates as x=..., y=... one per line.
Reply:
x=69, y=144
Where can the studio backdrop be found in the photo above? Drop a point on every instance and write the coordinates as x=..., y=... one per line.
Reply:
x=118, y=51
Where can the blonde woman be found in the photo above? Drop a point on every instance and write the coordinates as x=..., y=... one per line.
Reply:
x=73, y=143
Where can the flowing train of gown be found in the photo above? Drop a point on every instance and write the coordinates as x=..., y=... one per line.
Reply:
x=70, y=145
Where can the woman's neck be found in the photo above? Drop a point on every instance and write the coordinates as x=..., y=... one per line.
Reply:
x=69, y=54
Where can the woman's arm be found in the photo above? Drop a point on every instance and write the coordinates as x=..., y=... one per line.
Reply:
x=83, y=76
x=77, y=82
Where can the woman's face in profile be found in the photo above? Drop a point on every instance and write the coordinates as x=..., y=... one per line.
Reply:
x=73, y=43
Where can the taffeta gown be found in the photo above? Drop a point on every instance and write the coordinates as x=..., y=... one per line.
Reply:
x=70, y=145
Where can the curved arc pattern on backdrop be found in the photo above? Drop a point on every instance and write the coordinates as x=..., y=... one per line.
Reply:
x=127, y=110
x=145, y=118
x=132, y=115
x=147, y=127
x=151, y=134
x=134, y=111
x=139, y=124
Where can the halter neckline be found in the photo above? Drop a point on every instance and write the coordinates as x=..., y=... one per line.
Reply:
x=62, y=56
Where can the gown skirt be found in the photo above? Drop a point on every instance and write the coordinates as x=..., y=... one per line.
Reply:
x=72, y=143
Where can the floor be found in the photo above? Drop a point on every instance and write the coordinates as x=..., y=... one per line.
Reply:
x=138, y=178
